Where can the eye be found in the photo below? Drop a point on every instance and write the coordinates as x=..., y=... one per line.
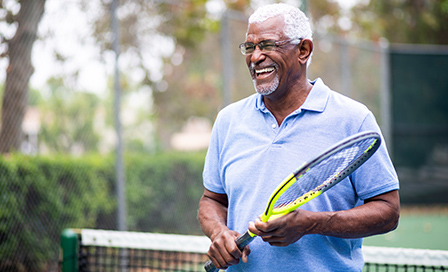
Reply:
x=249, y=46
x=267, y=45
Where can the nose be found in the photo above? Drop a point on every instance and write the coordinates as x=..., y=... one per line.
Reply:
x=257, y=55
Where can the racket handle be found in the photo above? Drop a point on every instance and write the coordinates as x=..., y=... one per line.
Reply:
x=210, y=267
x=242, y=241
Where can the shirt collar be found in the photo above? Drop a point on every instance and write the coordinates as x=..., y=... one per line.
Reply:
x=259, y=103
x=318, y=97
x=316, y=100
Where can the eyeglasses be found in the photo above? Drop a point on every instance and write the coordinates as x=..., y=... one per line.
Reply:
x=266, y=46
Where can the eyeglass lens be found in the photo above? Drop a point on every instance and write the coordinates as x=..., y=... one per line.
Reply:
x=248, y=48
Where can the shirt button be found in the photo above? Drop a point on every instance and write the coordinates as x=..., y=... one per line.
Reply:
x=274, y=125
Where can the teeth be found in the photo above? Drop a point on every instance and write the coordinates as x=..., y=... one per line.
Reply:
x=265, y=70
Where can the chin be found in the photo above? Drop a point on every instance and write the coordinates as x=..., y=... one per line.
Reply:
x=266, y=90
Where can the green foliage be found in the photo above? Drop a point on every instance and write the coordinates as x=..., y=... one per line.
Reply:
x=195, y=83
x=68, y=120
x=35, y=97
x=163, y=192
x=423, y=22
x=41, y=196
x=187, y=21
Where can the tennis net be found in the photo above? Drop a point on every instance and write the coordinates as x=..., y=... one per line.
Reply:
x=386, y=259
x=99, y=250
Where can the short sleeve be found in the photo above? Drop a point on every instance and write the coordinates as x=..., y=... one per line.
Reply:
x=377, y=175
x=211, y=174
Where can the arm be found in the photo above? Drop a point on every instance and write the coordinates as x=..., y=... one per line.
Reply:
x=212, y=216
x=377, y=215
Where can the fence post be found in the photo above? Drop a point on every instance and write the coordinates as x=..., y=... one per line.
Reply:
x=385, y=92
x=69, y=246
x=119, y=167
x=227, y=59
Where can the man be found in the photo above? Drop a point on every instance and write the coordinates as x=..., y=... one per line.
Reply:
x=258, y=141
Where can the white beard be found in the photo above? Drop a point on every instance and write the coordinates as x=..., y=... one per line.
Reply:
x=267, y=90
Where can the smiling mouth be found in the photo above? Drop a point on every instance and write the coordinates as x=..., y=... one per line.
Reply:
x=264, y=72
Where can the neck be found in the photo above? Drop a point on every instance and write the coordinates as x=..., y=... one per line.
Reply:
x=283, y=104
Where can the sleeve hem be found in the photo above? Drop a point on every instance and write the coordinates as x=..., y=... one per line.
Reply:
x=384, y=189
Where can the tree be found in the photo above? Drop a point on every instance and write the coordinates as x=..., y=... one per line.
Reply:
x=69, y=116
x=150, y=30
x=152, y=33
x=192, y=90
x=20, y=69
x=409, y=21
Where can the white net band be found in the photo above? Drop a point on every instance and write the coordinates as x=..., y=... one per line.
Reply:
x=140, y=240
x=405, y=256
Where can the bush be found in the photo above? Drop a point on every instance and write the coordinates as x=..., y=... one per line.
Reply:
x=41, y=196
x=163, y=192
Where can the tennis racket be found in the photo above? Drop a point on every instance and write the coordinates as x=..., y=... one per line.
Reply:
x=314, y=178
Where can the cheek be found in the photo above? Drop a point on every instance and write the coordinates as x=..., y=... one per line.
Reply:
x=247, y=61
x=289, y=64
x=249, y=64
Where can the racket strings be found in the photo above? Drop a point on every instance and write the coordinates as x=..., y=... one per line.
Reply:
x=321, y=176
x=310, y=180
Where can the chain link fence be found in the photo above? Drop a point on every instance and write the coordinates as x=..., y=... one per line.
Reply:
x=63, y=174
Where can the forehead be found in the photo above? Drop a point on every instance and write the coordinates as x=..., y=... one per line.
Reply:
x=271, y=28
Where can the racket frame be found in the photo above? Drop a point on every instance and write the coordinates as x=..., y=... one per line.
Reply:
x=272, y=213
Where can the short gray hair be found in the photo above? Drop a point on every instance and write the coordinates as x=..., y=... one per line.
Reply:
x=297, y=24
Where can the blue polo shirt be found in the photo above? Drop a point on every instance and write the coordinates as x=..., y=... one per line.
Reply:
x=249, y=155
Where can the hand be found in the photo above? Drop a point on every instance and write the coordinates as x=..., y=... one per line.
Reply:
x=284, y=230
x=224, y=252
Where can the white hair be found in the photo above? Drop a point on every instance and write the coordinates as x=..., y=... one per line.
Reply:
x=297, y=24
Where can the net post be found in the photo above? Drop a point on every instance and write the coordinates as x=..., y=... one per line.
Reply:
x=69, y=246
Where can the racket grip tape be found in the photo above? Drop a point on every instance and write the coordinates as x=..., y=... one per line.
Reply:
x=210, y=267
x=242, y=241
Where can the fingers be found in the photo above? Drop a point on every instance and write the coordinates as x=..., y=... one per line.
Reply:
x=245, y=254
x=262, y=229
x=224, y=252
x=266, y=231
x=281, y=231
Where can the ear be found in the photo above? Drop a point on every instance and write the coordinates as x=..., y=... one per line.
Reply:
x=305, y=50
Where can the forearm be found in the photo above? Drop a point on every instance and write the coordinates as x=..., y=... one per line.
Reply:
x=376, y=216
x=212, y=216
